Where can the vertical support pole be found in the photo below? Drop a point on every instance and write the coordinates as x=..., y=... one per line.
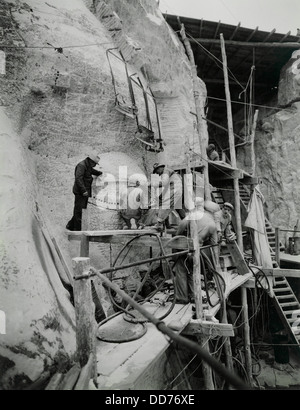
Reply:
x=277, y=246
x=84, y=246
x=237, y=203
x=252, y=152
x=203, y=340
x=85, y=314
x=199, y=105
x=227, y=345
x=248, y=358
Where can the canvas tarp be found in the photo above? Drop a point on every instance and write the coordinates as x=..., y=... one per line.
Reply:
x=256, y=223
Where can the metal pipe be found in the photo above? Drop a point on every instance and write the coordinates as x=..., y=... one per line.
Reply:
x=130, y=265
x=229, y=376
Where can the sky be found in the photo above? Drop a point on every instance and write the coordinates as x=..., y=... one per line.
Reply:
x=283, y=15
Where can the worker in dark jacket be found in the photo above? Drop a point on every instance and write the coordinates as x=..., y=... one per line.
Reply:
x=212, y=154
x=82, y=189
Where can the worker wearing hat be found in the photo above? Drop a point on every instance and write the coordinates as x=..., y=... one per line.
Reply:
x=133, y=201
x=82, y=188
x=171, y=193
x=203, y=215
x=211, y=152
x=225, y=227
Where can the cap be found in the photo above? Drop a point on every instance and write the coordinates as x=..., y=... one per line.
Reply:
x=157, y=165
x=229, y=205
x=211, y=147
x=94, y=157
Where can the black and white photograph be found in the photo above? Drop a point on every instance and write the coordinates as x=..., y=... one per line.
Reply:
x=150, y=197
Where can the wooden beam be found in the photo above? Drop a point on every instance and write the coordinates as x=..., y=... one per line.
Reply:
x=232, y=174
x=252, y=137
x=208, y=328
x=248, y=357
x=199, y=105
x=84, y=246
x=85, y=314
x=292, y=45
x=247, y=180
x=235, y=31
x=232, y=148
x=105, y=237
x=277, y=246
x=238, y=258
x=250, y=54
x=277, y=272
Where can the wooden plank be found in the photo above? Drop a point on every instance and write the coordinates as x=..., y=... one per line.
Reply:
x=55, y=381
x=248, y=180
x=84, y=312
x=287, y=258
x=278, y=272
x=121, y=238
x=256, y=44
x=62, y=259
x=137, y=355
x=70, y=378
x=208, y=328
x=111, y=232
x=238, y=258
x=232, y=174
x=84, y=246
x=86, y=374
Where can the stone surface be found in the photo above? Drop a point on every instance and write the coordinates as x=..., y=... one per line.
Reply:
x=289, y=83
x=59, y=102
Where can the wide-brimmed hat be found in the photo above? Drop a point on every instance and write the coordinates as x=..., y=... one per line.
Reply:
x=94, y=157
x=157, y=165
x=228, y=205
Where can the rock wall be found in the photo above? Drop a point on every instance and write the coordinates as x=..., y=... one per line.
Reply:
x=277, y=141
x=58, y=103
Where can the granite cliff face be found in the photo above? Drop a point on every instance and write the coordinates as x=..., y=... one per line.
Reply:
x=277, y=142
x=58, y=104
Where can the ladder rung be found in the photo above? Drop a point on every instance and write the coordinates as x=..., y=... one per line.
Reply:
x=289, y=304
x=281, y=289
x=285, y=297
x=289, y=312
x=280, y=280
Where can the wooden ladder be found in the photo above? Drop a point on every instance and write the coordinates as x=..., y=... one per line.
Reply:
x=288, y=307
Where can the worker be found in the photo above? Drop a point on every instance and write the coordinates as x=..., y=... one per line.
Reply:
x=225, y=232
x=133, y=203
x=171, y=194
x=82, y=188
x=183, y=265
x=211, y=152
